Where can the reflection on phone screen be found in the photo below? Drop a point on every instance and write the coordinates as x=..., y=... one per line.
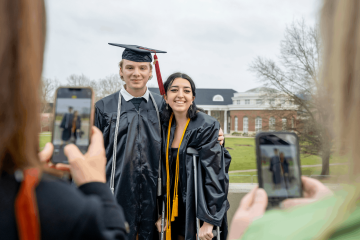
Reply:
x=280, y=165
x=71, y=123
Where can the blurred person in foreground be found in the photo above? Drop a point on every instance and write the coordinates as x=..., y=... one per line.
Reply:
x=321, y=214
x=34, y=204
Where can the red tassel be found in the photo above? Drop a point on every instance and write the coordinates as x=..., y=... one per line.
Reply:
x=26, y=210
x=158, y=75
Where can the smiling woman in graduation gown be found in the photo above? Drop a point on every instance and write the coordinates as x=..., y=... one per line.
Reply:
x=201, y=133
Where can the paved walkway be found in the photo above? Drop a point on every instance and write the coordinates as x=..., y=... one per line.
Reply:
x=303, y=166
x=247, y=187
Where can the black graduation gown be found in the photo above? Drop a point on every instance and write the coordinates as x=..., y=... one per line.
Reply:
x=66, y=124
x=65, y=212
x=212, y=169
x=137, y=163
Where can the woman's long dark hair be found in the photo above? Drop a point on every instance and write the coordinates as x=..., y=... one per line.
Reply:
x=193, y=110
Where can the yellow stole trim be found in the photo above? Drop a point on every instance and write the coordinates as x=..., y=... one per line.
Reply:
x=174, y=212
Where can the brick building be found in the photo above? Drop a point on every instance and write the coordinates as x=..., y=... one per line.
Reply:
x=247, y=112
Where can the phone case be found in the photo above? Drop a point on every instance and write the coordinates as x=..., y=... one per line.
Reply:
x=54, y=118
x=274, y=201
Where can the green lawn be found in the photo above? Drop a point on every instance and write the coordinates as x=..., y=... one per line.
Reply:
x=45, y=137
x=244, y=156
x=247, y=177
x=338, y=172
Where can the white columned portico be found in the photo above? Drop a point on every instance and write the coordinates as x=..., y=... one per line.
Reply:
x=209, y=112
x=225, y=122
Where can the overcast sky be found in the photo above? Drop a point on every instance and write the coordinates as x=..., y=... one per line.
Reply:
x=212, y=41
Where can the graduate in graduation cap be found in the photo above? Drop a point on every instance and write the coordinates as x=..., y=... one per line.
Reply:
x=130, y=120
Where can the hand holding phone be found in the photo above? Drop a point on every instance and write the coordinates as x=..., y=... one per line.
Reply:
x=73, y=108
x=91, y=166
x=278, y=165
x=313, y=190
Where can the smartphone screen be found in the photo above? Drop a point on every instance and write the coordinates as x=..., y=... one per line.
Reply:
x=278, y=162
x=72, y=122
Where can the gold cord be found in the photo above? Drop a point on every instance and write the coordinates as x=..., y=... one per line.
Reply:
x=174, y=212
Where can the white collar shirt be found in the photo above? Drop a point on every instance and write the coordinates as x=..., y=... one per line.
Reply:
x=127, y=96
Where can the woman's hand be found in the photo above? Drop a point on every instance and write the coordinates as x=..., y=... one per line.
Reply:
x=252, y=206
x=46, y=154
x=221, y=137
x=158, y=224
x=205, y=232
x=91, y=166
x=313, y=190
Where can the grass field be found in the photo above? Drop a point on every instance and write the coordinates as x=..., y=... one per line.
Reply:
x=243, y=155
x=242, y=151
x=251, y=177
x=44, y=138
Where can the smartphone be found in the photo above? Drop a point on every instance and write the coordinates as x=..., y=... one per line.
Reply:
x=73, y=118
x=278, y=166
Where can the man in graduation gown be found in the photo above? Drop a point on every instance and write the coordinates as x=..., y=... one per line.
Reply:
x=138, y=147
x=66, y=125
x=275, y=168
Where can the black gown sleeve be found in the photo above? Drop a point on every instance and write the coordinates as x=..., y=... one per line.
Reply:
x=62, y=125
x=99, y=119
x=103, y=218
x=213, y=178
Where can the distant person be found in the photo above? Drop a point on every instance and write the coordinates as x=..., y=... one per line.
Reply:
x=76, y=126
x=66, y=126
x=34, y=203
x=285, y=168
x=275, y=168
x=322, y=215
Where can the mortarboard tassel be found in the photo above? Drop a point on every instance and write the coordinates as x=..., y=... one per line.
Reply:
x=158, y=75
x=174, y=212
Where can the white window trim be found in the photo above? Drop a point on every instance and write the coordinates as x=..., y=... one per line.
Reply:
x=236, y=122
x=258, y=124
x=218, y=98
x=245, y=124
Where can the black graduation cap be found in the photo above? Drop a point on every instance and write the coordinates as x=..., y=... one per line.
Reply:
x=137, y=53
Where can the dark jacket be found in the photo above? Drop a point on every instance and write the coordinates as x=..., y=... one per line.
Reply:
x=66, y=125
x=137, y=163
x=65, y=212
x=275, y=168
x=212, y=169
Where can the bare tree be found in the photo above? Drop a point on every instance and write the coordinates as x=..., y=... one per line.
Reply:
x=108, y=85
x=83, y=81
x=48, y=87
x=78, y=80
x=296, y=76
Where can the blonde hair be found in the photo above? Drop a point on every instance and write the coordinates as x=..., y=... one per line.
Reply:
x=340, y=25
x=122, y=62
